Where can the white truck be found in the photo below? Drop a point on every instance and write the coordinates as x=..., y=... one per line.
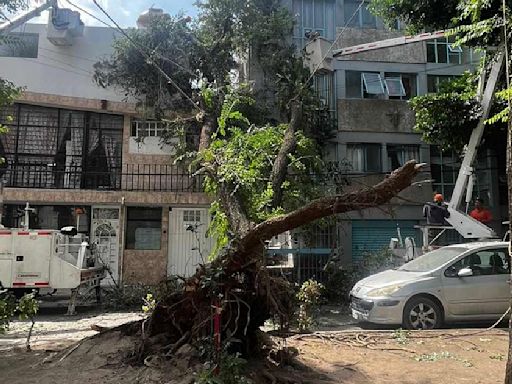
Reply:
x=41, y=259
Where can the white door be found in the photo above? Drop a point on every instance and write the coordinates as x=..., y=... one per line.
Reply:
x=105, y=234
x=189, y=245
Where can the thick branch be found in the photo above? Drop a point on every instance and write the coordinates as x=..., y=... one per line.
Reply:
x=327, y=206
x=231, y=206
x=280, y=166
x=207, y=130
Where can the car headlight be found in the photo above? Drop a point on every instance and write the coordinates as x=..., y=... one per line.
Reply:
x=385, y=291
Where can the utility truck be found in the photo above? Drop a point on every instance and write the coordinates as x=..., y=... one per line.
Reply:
x=43, y=259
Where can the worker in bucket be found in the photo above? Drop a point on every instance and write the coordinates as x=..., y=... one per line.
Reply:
x=481, y=213
x=436, y=211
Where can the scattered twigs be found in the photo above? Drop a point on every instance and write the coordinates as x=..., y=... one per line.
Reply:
x=70, y=351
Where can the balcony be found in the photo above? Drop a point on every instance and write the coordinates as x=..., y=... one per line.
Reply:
x=129, y=177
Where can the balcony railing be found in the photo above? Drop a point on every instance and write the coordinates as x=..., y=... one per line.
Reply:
x=129, y=177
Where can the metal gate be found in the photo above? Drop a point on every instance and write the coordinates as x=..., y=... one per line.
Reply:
x=105, y=234
x=374, y=235
x=189, y=245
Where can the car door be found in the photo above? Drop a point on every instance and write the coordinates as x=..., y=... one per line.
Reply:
x=485, y=293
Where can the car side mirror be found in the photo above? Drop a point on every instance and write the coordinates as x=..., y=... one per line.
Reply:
x=465, y=272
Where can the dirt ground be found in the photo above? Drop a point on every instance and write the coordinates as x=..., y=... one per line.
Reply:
x=350, y=356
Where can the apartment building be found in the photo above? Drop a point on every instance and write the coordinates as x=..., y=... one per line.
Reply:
x=73, y=151
x=368, y=94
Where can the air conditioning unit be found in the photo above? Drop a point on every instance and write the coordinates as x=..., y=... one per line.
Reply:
x=63, y=26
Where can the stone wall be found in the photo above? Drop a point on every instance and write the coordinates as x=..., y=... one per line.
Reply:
x=374, y=115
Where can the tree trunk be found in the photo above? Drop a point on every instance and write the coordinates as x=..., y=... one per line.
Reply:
x=281, y=162
x=239, y=279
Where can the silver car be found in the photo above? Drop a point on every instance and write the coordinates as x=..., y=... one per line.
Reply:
x=462, y=282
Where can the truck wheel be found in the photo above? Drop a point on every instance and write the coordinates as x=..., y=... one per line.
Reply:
x=420, y=312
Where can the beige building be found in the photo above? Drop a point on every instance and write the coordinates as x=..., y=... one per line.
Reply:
x=73, y=152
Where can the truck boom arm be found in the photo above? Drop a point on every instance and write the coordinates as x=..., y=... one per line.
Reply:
x=15, y=22
x=461, y=222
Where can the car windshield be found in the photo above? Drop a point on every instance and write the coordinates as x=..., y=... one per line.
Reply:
x=432, y=260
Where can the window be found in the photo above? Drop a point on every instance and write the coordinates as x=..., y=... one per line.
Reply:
x=147, y=128
x=324, y=88
x=486, y=262
x=362, y=18
x=368, y=85
x=20, y=45
x=371, y=85
x=191, y=216
x=143, y=228
x=400, y=86
x=398, y=155
x=364, y=157
x=444, y=167
x=313, y=16
x=435, y=81
x=443, y=51
x=59, y=148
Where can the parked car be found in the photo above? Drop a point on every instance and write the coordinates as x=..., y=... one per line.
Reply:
x=462, y=282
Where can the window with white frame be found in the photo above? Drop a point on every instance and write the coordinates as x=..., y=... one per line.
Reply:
x=444, y=167
x=435, y=81
x=401, y=86
x=368, y=85
x=364, y=157
x=443, y=51
x=313, y=16
x=148, y=128
x=324, y=89
x=359, y=16
x=191, y=215
x=371, y=85
x=398, y=155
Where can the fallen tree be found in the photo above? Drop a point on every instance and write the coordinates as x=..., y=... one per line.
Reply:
x=260, y=172
x=238, y=281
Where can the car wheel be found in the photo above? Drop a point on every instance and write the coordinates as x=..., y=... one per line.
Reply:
x=422, y=313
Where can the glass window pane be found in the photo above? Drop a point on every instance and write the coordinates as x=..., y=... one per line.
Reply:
x=369, y=20
x=351, y=7
x=373, y=83
x=143, y=228
x=432, y=84
x=442, y=53
x=319, y=14
x=355, y=156
x=394, y=86
x=308, y=14
x=455, y=58
x=297, y=14
x=431, y=53
x=373, y=158
x=353, y=84
x=330, y=22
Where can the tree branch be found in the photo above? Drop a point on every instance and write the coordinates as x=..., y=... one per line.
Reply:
x=327, y=206
x=280, y=165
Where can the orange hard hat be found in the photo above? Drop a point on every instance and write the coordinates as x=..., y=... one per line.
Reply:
x=438, y=197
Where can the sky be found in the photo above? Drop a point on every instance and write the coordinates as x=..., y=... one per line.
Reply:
x=124, y=12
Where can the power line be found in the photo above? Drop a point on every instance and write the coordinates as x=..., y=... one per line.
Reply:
x=148, y=57
x=69, y=55
x=67, y=64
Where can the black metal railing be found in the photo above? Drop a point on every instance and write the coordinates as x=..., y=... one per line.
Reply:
x=129, y=177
